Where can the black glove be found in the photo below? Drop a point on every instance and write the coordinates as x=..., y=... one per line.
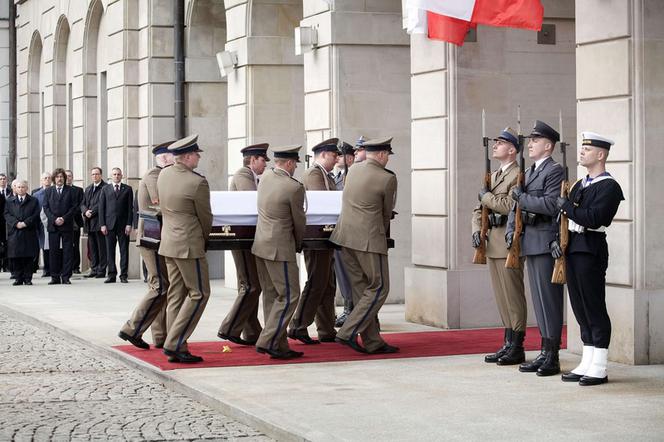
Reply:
x=483, y=192
x=560, y=202
x=477, y=239
x=509, y=237
x=516, y=193
x=556, y=251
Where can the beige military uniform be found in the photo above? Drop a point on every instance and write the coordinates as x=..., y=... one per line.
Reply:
x=317, y=299
x=279, y=235
x=507, y=283
x=242, y=319
x=367, y=205
x=151, y=310
x=184, y=199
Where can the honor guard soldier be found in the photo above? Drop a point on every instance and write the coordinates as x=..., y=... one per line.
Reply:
x=317, y=298
x=184, y=200
x=538, y=207
x=361, y=231
x=592, y=205
x=242, y=319
x=279, y=236
x=507, y=283
x=151, y=311
x=360, y=152
x=345, y=159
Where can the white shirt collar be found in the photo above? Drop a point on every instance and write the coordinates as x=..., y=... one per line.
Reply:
x=538, y=163
x=505, y=167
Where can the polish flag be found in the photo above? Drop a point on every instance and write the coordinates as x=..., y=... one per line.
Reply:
x=450, y=20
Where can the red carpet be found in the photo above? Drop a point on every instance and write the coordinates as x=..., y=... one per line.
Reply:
x=412, y=345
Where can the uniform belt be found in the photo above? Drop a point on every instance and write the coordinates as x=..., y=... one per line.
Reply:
x=577, y=228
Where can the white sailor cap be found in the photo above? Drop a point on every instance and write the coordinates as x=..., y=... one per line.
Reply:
x=593, y=139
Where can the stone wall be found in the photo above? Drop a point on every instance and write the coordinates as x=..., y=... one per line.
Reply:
x=4, y=86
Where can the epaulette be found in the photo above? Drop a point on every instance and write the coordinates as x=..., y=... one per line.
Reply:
x=389, y=171
x=202, y=176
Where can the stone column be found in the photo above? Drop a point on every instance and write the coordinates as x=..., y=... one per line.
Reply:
x=4, y=87
x=619, y=89
x=356, y=82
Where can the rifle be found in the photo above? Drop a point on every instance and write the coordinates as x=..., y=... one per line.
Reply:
x=480, y=253
x=559, y=275
x=513, y=257
x=307, y=159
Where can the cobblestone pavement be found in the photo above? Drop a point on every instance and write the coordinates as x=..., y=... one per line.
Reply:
x=54, y=389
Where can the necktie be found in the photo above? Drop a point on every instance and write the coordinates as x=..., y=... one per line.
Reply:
x=117, y=188
x=500, y=172
x=20, y=200
x=59, y=191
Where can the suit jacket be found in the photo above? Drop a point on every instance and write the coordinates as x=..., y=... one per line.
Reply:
x=592, y=207
x=542, y=189
x=56, y=206
x=281, y=218
x=368, y=200
x=243, y=180
x=184, y=200
x=22, y=243
x=316, y=178
x=78, y=218
x=147, y=192
x=116, y=209
x=3, y=225
x=500, y=202
x=91, y=198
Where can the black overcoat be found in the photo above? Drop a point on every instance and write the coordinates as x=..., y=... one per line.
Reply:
x=22, y=243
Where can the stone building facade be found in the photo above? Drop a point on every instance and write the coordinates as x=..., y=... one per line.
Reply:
x=4, y=86
x=95, y=87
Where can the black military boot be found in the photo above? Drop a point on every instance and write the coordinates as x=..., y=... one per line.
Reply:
x=532, y=366
x=493, y=358
x=551, y=365
x=515, y=353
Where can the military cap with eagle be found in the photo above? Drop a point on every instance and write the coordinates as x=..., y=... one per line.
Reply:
x=291, y=152
x=378, y=144
x=162, y=148
x=256, y=149
x=185, y=145
x=326, y=146
x=508, y=134
x=596, y=140
x=346, y=149
x=541, y=129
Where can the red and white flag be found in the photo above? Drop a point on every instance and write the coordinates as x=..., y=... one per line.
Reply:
x=450, y=20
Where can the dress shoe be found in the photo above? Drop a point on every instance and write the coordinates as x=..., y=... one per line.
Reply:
x=571, y=377
x=135, y=341
x=532, y=366
x=54, y=282
x=66, y=281
x=27, y=282
x=235, y=339
x=109, y=280
x=288, y=354
x=46, y=275
x=352, y=343
x=17, y=282
x=184, y=357
x=385, y=349
x=123, y=280
x=302, y=337
x=327, y=339
x=77, y=272
x=493, y=357
x=587, y=381
x=261, y=350
x=551, y=365
x=90, y=275
x=100, y=276
x=341, y=319
x=515, y=353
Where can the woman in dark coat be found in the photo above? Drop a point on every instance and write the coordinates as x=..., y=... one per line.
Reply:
x=22, y=218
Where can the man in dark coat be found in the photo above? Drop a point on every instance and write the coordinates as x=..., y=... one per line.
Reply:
x=60, y=206
x=116, y=205
x=78, y=224
x=92, y=225
x=22, y=216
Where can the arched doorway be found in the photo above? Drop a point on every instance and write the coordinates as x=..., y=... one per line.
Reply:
x=62, y=139
x=35, y=111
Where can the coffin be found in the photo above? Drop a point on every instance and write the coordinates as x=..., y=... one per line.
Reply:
x=235, y=215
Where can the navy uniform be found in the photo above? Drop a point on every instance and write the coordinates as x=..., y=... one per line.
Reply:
x=540, y=228
x=591, y=206
x=317, y=299
x=151, y=310
x=361, y=231
x=241, y=324
x=184, y=200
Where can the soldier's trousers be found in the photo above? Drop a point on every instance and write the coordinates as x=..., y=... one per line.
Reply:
x=317, y=299
x=509, y=292
x=242, y=319
x=370, y=281
x=151, y=310
x=280, y=281
x=188, y=294
x=586, y=284
x=547, y=297
x=343, y=281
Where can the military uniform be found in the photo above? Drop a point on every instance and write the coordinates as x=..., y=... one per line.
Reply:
x=507, y=283
x=317, y=299
x=279, y=236
x=591, y=207
x=184, y=199
x=241, y=324
x=151, y=310
x=361, y=231
x=540, y=229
